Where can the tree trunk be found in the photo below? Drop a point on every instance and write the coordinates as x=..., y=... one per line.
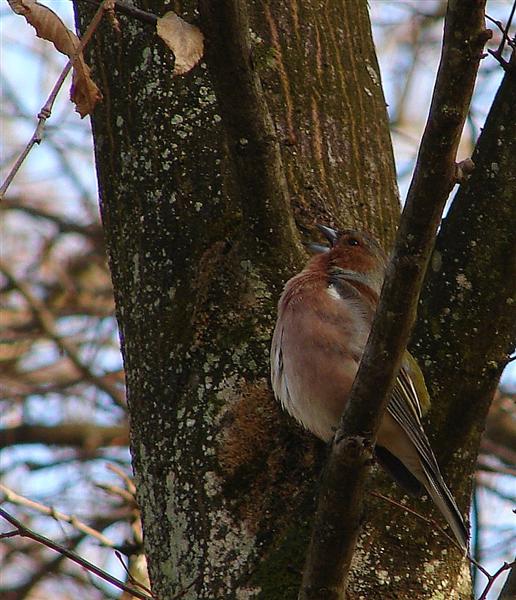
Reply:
x=201, y=180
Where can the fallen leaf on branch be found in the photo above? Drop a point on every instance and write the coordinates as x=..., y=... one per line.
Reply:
x=84, y=93
x=185, y=40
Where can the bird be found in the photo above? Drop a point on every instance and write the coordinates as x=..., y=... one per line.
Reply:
x=325, y=314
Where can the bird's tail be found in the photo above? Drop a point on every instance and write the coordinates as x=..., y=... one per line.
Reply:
x=443, y=499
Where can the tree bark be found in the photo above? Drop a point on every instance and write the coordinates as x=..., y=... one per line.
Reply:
x=467, y=317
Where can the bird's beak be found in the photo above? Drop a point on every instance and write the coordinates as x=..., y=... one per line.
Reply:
x=317, y=248
x=329, y=233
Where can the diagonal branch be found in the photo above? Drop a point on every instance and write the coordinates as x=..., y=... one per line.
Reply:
x=13, y=498
x=46, y=109
x=339, y=512
x=509, y=588
x=26, y=532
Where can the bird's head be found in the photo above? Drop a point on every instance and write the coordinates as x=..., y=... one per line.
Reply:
x=351, y=250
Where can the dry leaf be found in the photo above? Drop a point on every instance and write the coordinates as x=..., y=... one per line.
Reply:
x=84, y=92
x=186, y=41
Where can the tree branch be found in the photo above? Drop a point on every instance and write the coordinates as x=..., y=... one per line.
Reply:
x=469, y=291
x=48, y=324
x=26, y=532
x=509, y=589
x=341, y=495
x=130, y=11
x=14, y=498
x=253, y=145
x=46, y=109
x=87, y=436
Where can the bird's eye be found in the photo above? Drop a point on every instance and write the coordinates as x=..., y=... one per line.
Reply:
x=353, y=242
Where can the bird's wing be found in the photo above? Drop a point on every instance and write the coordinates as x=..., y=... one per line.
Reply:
x=405, y=408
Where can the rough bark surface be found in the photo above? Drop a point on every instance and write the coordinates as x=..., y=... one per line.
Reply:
x=226, y=482
x=467, y=318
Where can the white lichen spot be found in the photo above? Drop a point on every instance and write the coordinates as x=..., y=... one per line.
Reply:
x=383, y=577
x=372, y=74
x=146, y=55
x=212, y=484
x=255, y=38
x=463, y=282
x=437, y=261
x=429, y=567
x=247, y=593
x=119, y=121
x=136, y=268
x=368, y=92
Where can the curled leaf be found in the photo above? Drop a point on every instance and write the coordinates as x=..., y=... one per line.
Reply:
x=185, y=40
x=84, y=93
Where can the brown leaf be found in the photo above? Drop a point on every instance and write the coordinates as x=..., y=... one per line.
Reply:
x=84, y=92
x=185, y=40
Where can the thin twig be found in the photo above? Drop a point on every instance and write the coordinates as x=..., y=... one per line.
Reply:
x=124, y=476
x=116, y=490
x=490, y=578
x=24, y=531
x=419, y=516
x=509, y=589
x=13, y=498
x=47, y=322
x=46, y=110
x=129, y=574
x=9, y=534
x=498, y=53
x=130, y=11
x=493, y=578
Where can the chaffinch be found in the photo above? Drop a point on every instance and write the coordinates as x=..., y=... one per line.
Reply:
x=324, y=317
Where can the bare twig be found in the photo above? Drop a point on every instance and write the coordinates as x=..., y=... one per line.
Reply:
x=340, y=500
x=124, y=476
x=492, y=578
x=9, y=534
x=434, y=524
x=509, y=589
x=501, y=469
x=46, y=110
x=24, y=531
x=13, y=498
x=46, y=319
x=130, y=11
x=116, y=490
x=129, y=575
x=498, y=53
